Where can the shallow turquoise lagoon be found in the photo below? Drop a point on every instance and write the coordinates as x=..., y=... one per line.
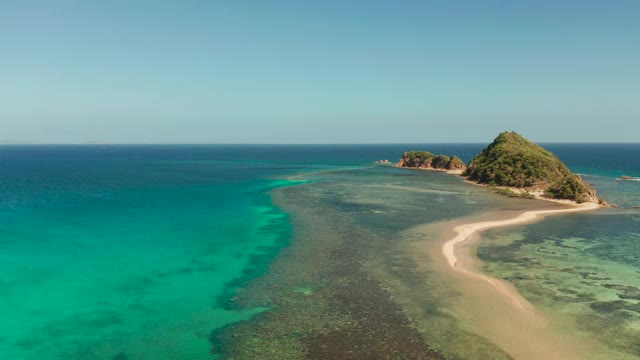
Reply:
x=138, y=252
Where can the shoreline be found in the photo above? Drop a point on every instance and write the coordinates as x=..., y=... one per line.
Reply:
x=492, y=307
x=465, y=231
x=536, y=193
x=451, y=172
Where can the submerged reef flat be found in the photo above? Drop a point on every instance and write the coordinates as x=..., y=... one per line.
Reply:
x=580, y=269
x=323, y=306
x=349, y=264
x=365, y=277
x=513, y=323
x=339, y=290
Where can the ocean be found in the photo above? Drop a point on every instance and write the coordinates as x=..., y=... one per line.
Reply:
x=286, y=251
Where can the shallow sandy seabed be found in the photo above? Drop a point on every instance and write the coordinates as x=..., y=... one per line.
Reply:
x=491, y=307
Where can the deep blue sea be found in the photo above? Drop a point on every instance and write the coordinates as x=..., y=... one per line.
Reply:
x=130, y=251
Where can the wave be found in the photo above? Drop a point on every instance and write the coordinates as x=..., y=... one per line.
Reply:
x=628, y=178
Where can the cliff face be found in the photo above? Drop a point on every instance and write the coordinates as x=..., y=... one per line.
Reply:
x=511, y=160
x=427, y=160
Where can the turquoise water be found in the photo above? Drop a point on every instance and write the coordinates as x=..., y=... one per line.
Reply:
x=583, y=268
x=125, y=251
x=144, y=252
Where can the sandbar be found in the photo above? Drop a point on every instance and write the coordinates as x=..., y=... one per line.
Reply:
x=493, y=307
x=465, y=231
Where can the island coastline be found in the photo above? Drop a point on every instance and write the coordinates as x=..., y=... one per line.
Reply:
x=465, y=231
x=492, y=307
x=489, y=306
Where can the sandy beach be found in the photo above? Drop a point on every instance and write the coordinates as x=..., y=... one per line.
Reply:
x=492, y=307
x=465, y=231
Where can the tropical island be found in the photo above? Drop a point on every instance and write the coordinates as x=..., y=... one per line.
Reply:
x=514, y=166
x=427, y=160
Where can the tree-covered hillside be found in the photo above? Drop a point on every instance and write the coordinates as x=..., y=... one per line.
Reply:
x=511, y=160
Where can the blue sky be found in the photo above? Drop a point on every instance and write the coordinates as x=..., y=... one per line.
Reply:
x=318, y=71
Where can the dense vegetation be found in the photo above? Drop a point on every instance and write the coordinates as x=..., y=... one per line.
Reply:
x=511, y=160
x=456, y=163
x=427, y=160
x=510, y=193
x=570, y=187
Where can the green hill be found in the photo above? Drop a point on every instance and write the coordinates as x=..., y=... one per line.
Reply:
x=513, y=161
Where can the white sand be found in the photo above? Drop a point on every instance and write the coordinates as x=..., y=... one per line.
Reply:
x=466, y=231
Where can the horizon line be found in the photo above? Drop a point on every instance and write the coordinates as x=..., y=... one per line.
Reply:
x=299, y=144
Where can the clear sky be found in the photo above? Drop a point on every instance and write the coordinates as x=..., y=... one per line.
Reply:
x=326, y=71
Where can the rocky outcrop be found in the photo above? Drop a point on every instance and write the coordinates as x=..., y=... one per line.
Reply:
x=382, y=162
x=456, y=164
x=427, y=160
